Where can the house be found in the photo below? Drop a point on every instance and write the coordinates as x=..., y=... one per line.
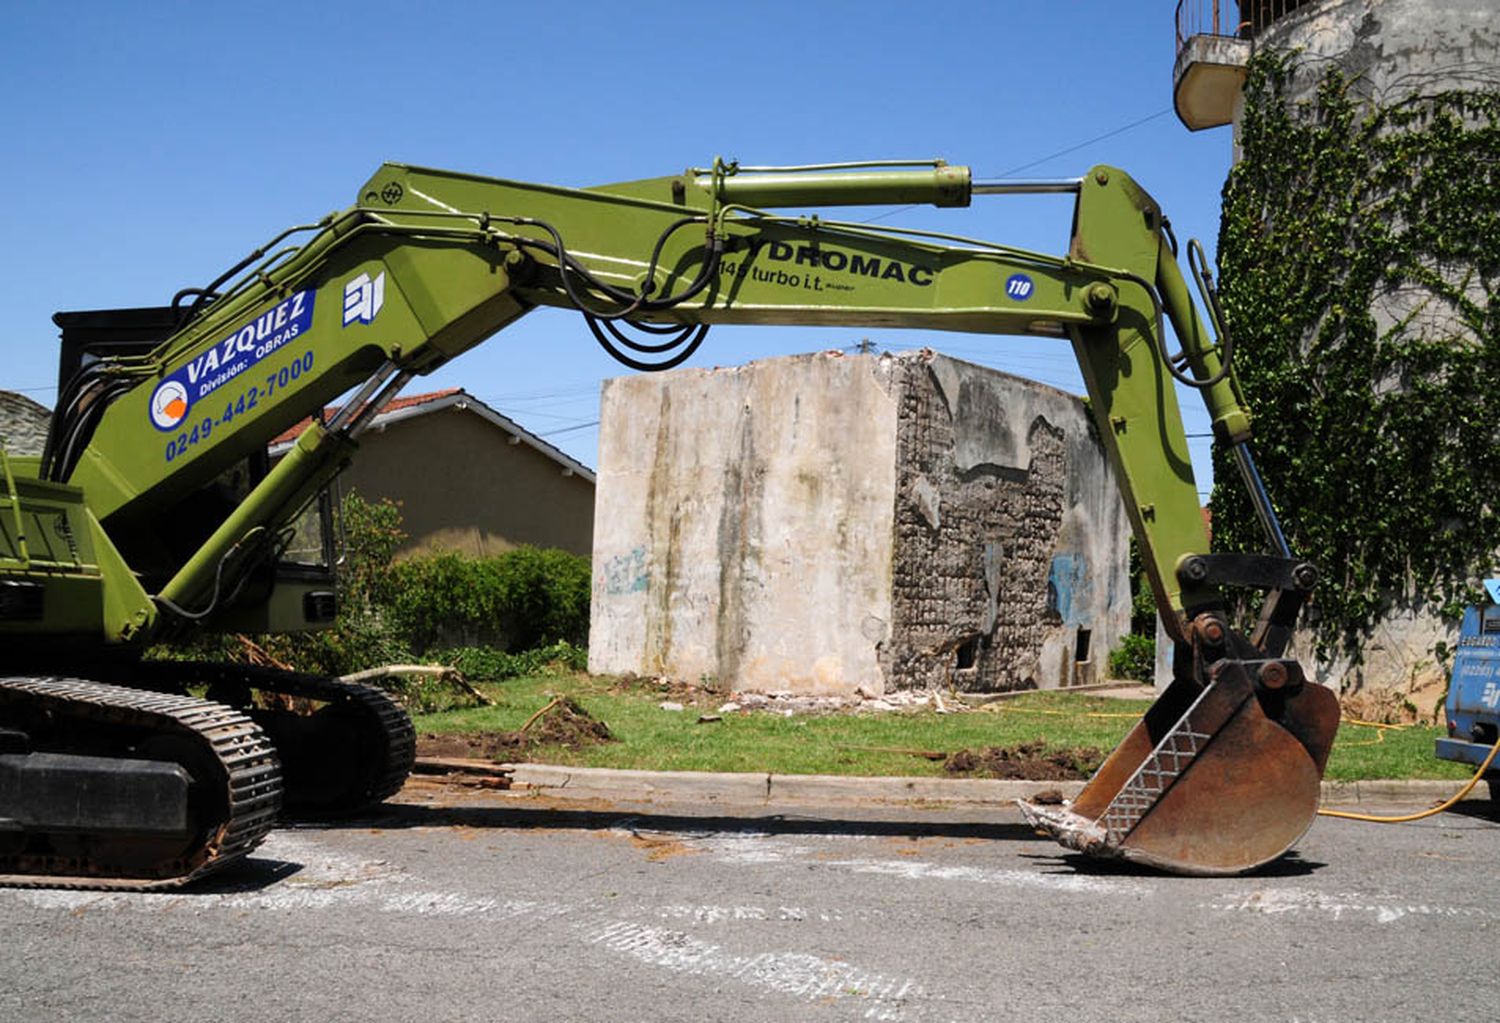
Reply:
x=23, y=424
x=467, y=478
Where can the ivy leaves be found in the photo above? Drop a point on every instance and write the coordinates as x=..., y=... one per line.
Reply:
x=1360, y=254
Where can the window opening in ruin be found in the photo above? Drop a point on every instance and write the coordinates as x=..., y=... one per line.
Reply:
x=1081, y=645
x=967, y=653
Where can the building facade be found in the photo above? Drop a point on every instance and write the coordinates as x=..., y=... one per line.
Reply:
x=468, y=479
x=1392, y=57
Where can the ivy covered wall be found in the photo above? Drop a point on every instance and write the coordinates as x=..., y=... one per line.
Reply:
x=1360, y=259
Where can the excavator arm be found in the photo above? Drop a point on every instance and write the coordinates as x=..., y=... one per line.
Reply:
x=433, y=263
x=1221, y=775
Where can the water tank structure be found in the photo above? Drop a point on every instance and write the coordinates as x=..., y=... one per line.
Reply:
x=1359, y=276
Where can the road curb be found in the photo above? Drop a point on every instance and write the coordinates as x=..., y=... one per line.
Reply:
x=804, y=789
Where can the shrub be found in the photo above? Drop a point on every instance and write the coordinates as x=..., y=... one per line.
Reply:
x=1135, y=658
x=525, y=598
x=486, y=664
x=531, y=600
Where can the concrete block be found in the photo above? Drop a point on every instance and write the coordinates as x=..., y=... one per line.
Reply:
x=820, y=524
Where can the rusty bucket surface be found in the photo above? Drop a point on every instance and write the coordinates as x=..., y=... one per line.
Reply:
x=1216, y=778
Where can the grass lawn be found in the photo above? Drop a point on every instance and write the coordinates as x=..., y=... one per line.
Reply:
x=868, y=744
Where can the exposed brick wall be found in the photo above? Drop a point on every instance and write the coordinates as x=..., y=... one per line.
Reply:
x=972, y=552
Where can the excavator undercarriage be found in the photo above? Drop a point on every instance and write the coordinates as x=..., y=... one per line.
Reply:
x=141, y=785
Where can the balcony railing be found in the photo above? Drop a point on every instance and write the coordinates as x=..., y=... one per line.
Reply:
x=1240, y=19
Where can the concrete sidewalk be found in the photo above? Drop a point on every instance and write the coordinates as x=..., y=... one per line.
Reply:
x=803, y=789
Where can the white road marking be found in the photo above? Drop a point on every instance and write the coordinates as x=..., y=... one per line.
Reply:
x=805, y=976
x=328, y=881
x=916, y=870
x=722, y=914
x=1339, y=906
x=753, y=848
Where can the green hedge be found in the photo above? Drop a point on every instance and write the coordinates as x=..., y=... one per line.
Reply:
x=519, y=600
x=492, y=618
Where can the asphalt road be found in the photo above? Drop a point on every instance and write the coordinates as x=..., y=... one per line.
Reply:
x=486, y=906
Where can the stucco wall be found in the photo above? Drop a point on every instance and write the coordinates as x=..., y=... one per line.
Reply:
x=819, y=523
x=742, y=529
x=462, y=486
x=1390, y=49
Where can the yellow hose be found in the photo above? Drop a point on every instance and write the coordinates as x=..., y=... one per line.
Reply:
x=1425, y=813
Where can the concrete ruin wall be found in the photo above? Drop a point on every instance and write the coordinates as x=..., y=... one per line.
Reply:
x=1010, y=537
x=742, y=525
x=819, y=523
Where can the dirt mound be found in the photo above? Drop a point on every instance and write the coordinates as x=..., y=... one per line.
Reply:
x=476, y=746
x=1029, y=761
x=562, y=722
x=1420, y=702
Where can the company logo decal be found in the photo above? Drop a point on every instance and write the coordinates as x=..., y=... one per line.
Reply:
x=169, y=404
x=1019, y=287
x=363, y=298
x=802, y=260
x=216, y=366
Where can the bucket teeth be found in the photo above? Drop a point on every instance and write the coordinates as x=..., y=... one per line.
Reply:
x=1068, y=828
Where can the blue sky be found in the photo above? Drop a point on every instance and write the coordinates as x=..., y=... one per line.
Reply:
x=151, y=145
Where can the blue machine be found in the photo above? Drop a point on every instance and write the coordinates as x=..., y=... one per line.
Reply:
x=1474, y=692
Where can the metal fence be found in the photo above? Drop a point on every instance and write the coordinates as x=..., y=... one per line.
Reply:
x=1242, y=19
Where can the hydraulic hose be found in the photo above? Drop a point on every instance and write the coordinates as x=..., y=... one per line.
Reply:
x=1404, y=818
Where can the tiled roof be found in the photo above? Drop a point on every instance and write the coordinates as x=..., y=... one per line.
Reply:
x=433, y=401
x=23, y=424
x=396, y=405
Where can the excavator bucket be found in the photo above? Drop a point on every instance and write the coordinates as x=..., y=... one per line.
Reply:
x=1220, y=776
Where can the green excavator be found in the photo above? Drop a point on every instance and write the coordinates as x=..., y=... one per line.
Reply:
x=153, y=512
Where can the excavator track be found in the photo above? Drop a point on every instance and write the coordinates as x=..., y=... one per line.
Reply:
x=351, y=754
x=243, y=783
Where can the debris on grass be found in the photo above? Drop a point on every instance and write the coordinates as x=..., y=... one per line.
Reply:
x=1031, y=761
x=561, y=722
x=407, y=682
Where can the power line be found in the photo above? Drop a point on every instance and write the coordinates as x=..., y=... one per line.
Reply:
x=1097, y=138
x=1050, y=156
x=569, y=429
